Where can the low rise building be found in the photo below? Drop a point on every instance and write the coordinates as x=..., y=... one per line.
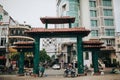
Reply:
x=10, y=32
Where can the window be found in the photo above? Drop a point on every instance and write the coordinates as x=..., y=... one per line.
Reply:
x=93, y=13
x=12, y=32
x=107, y=3
x=107, y=12
x=94, y=32
x=1, y=17
x=23, y=33
x=64, y=8
x=86, y=56
x=3, y=41
x=110, y=32
x=18, y=32
x=110, y=42
x=4, y=32
x=92, y=3
x=94, y=23
x=108, y=22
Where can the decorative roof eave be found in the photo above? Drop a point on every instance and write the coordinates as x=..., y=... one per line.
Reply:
x=22, y=37
x=93, y=47
x=93, y=42
x=107, y=49
x=23, y=47
x=76, y=29
x=57, y=20
x=19, y=27
x=24, y=43
x=59, y=32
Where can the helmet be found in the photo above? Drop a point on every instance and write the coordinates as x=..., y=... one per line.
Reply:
x=70, y=65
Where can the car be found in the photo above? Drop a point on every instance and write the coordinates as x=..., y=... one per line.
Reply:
x=56, y=67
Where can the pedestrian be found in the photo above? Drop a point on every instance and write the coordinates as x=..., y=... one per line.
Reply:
x=41, y=70
x=10, y=69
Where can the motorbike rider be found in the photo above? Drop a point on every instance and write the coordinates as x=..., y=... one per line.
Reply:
x=70, y=71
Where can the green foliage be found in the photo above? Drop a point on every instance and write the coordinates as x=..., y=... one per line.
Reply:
x=14, y=56
x=44, y=57
x=53, y=57
x=28, y=55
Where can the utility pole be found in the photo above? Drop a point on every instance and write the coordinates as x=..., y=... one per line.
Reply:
x=55, y=49
x=7, y=45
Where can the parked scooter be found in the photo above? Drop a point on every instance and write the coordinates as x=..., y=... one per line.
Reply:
x=86, y=69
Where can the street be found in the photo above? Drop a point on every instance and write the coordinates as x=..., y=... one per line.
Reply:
x=51, y=74
x=104, y=77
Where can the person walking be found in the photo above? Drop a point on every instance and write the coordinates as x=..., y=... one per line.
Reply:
x=41, y=70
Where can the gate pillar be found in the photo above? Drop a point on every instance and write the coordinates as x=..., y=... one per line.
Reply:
x=80, y=55
x=21, y=63
x=36, y=59
x=95, y=61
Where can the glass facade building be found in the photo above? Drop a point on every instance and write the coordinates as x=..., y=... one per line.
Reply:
x=96, y=15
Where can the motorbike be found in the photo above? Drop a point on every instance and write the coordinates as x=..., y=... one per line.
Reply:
x=69, y=73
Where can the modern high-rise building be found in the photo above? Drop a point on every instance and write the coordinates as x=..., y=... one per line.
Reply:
x=96, y=15
x=117, y=14
x=117, y=23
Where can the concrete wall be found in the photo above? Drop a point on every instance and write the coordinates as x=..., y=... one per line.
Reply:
x=88, y=62
x=85, y=16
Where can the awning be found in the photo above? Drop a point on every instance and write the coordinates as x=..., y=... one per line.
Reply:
x=2, y=57
x=12, y=50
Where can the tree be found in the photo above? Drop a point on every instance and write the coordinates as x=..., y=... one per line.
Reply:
x=44, y=57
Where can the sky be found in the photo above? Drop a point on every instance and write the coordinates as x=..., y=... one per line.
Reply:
x=30, y=11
